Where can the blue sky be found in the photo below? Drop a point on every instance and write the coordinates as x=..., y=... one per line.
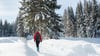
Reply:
x=9, y=8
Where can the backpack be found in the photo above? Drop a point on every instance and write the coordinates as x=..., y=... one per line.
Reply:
x=37, y=37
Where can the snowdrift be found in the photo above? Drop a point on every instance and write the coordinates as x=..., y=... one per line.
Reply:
x=71, y=47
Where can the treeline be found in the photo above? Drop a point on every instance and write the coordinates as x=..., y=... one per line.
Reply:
x=85, y=22
x=40, y=15
x=7, y=29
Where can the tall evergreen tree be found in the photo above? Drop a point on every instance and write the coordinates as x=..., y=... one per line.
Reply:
x=98, y=22
x=1, y=28
x=81, y=31
x=40, y=14
x=87, y=15
x=5, y=28
x=94, y=18
x=14, y=27
x=65, y=20
x=73, y=21
x=20, y=26
x=21, y=18
x=55, y=25
x=70, y=23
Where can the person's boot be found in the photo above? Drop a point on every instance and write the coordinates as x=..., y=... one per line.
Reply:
x=38, y=49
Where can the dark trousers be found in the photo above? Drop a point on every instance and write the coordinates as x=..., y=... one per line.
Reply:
x=37, y=45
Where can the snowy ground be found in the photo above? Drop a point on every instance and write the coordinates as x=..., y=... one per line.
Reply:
x=68, y=47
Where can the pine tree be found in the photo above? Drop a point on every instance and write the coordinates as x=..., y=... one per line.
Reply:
x=21, y=18
x=14, y=27
x=94, y=18
x=55, y=24
x=70, y=23
x=91, y=15
x=87, y=15
x=98, y=23
x=9, y=31
x=65, y=18
x=33, y=14
x=5, y=28
x=1, y=28
x=81, y=31
x=39, y=15
x=20, y=26
x=73, y=21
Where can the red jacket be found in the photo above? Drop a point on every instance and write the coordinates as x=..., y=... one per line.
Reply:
x=36, y=35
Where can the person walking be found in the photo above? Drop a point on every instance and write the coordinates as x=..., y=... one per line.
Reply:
x=37, y=39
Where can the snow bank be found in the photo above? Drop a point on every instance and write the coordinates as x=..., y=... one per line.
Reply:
x=69, y=48
x=91, y=40
x=11, y=48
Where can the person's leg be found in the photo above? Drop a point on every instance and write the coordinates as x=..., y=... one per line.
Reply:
x=37, y=45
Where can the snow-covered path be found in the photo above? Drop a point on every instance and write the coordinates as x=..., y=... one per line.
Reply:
x=69, y=47
x=15, y=47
